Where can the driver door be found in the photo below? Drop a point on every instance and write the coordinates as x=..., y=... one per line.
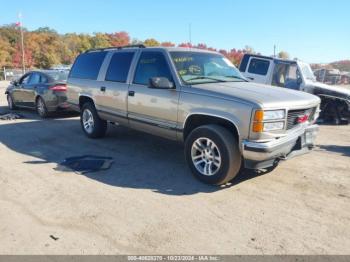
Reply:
x=28, y=90
x=18, y=92
x=150, y=109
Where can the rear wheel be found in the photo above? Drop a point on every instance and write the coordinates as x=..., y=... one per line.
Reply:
x=212, y=154
x=10, y=102
x=41, y=108
x=92, y=125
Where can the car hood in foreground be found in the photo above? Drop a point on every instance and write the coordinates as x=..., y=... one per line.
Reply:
x=264, y=95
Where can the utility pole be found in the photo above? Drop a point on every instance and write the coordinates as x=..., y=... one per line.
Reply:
x=274, y=50
x=190, y=32
x=22, y=43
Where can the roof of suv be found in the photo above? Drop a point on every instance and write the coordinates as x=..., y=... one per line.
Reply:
x=182, y=49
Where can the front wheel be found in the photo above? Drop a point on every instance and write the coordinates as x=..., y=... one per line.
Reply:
x=212, y=154
x=92, y=125
x=10, y=102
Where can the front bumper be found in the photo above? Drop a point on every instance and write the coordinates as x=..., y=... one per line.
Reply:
x=265, y=154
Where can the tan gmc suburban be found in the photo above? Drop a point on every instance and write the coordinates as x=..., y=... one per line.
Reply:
x=197, y=97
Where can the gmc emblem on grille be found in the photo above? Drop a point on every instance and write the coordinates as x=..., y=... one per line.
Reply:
x=302, y=118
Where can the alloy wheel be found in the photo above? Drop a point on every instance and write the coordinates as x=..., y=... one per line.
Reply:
x=41, y=107
x=88, y=121
x=206, y=156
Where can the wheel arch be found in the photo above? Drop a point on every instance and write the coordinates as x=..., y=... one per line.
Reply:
x=199, y=119
x=84, y=99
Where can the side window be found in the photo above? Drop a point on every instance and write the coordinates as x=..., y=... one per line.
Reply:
x=244, y=63
x=43, y=79
x=279, y=75
x=87, y=65
x=25, y=79
x=151, y=64
x=259, y=67
x=34, y=79
x=119, y=67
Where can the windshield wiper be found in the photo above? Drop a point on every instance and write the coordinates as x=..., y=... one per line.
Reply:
x=205, y=77
x=237, y=77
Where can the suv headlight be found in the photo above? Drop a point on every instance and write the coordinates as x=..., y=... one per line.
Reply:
x=274, y=115
x=265, y=121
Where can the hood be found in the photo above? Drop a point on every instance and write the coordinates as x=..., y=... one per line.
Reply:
x=264, y=95
x=323, y=89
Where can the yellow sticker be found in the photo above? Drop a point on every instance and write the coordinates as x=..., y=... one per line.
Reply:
x=183, y=59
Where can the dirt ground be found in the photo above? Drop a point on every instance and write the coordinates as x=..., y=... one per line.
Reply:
x=148, y=202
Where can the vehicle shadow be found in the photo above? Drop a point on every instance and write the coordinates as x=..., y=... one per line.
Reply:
x=141, y=161
x=32, y=115
x=344, y=150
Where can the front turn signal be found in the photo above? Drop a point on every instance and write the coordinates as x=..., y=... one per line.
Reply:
x=259, y=116
x=258, y=125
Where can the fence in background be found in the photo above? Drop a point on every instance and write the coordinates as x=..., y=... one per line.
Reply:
x=10, y=74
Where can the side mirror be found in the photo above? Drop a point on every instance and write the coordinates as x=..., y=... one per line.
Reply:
x=14, y=83
x=161, y=83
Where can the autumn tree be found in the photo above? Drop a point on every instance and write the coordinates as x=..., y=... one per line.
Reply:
x=151, y=42
x=283, y=55
x=119, y=38
x=188, y=45
x=45, y=46
x=100, y=40
x=6, y=51
x=167, y=44
x=17, y=60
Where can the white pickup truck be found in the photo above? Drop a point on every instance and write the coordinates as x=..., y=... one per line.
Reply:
x=295, y=74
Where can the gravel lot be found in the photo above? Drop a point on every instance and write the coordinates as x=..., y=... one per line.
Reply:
x=148, y=202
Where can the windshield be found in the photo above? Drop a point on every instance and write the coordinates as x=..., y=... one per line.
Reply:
x=58, y=75
x=199, y=67
x=307, y=72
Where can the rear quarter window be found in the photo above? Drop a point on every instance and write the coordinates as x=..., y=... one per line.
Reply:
x=87, y=65
x=258, y=66
x=119, y=67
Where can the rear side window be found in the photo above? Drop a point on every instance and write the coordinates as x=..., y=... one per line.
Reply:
x=259, y=67
x=34, y=79
x=119, y=67
x=151, y=64
x=87, y=65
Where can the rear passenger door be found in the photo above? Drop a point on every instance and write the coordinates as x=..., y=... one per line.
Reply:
x=112, y=96
x=258, y=70
x=149, y=109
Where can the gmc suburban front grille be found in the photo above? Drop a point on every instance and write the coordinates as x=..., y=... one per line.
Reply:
x=293, y=116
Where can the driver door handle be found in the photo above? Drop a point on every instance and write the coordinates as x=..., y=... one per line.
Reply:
x=103, y=88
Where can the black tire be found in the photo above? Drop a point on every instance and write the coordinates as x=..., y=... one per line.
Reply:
x=11, y=103
x=41, y=108
x=99, y=127
x=229, y=152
